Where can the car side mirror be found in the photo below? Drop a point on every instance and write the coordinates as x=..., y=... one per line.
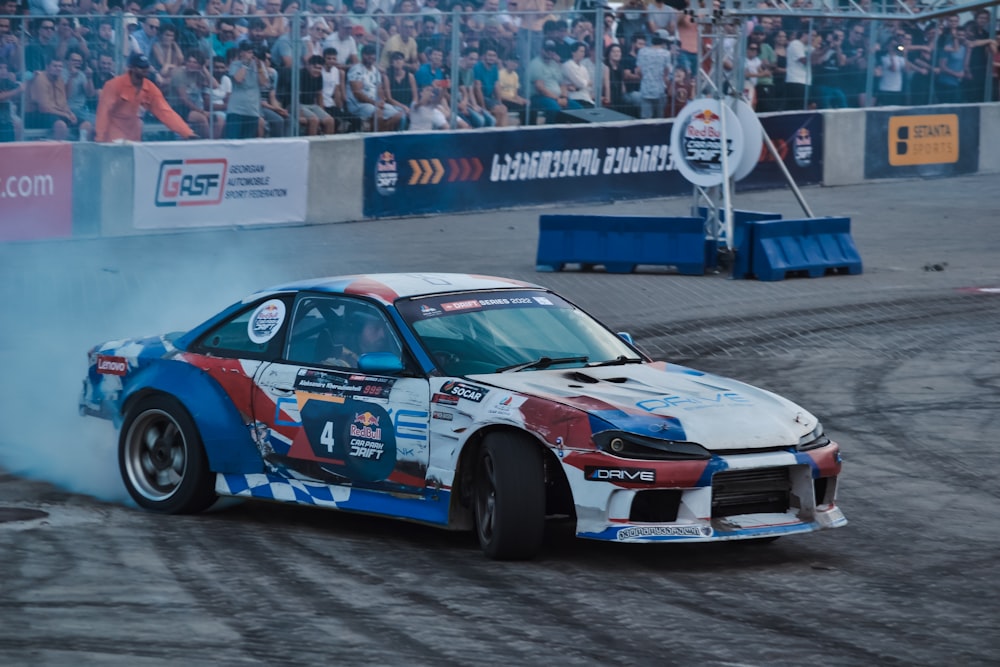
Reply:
x=626, y=336
x=380, y=363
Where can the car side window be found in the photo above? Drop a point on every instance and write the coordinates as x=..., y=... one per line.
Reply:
x=335, y=331
x=254, y=333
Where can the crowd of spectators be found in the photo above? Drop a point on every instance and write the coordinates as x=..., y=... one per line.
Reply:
x=272, y=68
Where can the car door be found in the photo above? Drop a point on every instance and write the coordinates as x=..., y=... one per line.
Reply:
x=328, y=420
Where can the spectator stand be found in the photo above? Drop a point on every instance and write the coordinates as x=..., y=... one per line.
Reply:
x=521, y=29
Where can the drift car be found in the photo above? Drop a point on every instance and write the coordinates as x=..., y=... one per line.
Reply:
x=466, y=402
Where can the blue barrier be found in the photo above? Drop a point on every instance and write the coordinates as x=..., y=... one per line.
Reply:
x=814, y=247
x=742, y=237
x=619, y=243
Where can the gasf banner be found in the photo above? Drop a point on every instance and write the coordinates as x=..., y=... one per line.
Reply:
x=928, y=142
x=36, y=191
x=200, y=184
x=410, y=173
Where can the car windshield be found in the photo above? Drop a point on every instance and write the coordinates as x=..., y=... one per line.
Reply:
x=510, y=331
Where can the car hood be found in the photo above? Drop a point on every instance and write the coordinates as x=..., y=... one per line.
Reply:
x=669, y=401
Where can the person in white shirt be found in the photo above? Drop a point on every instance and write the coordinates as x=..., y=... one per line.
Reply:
x=893, y=65
x=798, y=73
x=426, y=114
x=343, y=40
x=578, y=76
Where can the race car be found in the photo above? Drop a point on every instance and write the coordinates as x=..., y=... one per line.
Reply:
x=461, y=401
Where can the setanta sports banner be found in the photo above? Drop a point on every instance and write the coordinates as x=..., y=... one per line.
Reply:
x=200, y=184
x=410, y=173
x=928, y=141
x=36, y=191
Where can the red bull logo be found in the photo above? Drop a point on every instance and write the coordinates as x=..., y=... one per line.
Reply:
x=386, y=173
x=707, y=116
x=366, y=419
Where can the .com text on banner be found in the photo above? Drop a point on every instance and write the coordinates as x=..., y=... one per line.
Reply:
x=36, y=191
x=207, y=184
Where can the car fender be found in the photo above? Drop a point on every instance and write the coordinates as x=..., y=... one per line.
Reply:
x=223, y=430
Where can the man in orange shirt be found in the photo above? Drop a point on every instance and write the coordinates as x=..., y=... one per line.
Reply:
x=118, y=110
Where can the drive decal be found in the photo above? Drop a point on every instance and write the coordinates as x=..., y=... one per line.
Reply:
x=191, y=182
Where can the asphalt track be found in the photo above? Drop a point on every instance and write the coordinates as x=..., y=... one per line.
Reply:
x=902, y=363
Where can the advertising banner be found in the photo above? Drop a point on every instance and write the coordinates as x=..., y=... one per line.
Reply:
x=799, y=140
x=928, y=141
x=412, y=173
x=202, y=184
x=36, y=191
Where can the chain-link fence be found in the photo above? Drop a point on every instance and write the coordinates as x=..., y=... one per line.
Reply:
x=368, y=65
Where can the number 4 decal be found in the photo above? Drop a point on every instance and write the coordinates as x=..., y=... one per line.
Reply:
x=326, y=437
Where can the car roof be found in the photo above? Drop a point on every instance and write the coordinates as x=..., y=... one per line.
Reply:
x=387, y=287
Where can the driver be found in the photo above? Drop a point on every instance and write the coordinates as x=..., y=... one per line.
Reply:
x=373, y=336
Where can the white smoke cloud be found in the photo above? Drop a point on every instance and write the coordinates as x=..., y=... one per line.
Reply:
x=76, y=294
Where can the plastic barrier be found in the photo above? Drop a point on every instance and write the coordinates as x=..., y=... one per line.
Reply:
x=619, y=243
x=813, y=247
x=742, y=241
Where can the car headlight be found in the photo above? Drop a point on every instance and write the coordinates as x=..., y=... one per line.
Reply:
x=632, y=446
x=813, y=440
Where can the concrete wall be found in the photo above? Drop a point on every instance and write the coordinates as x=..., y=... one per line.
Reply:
x=336, y=173
x=843, y=146
x=103, y=174
x=103, y=177
x=989, y=138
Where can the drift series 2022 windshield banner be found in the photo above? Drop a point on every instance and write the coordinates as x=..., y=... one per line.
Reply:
x=407, y=174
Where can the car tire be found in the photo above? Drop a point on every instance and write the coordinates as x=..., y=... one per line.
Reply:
x=510, y=497
x=162, y=459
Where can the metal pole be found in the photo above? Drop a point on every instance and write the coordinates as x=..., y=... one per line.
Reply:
x=456, y=46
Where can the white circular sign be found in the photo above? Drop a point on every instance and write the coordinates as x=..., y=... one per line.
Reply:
x=696, y=142
x=266, y=320
x=753, y=140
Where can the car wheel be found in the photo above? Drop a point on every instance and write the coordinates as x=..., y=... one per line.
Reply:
x=162, y=460
x=510, y=497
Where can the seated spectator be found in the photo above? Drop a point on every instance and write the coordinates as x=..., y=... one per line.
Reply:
x=311, y=112
x=343, y=41
x=469, y=108
x=79, y=92
x=276, y=118
x=189, y=91
x=429, y=37
x=47, y=107
x=426, y=114
x=69, y=36
x=432, y=70
x=399, y=86
x=579, y=84
x=10, y=45
x=222, y=88
x=486, y=90
x=509, y=88
x=10, y=90
x=312, y=43
x=166, y=55
x=333, y=96
x=549, y=93
x=402, y=42
x=364, y=81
